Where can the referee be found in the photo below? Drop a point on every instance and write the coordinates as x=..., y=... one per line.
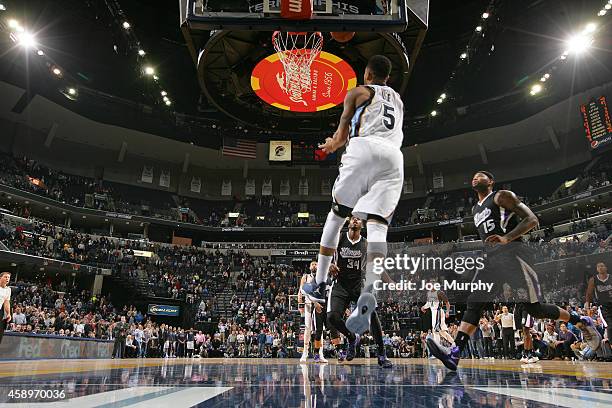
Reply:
x=5, y=301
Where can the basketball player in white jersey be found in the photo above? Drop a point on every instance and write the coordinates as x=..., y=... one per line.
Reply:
x=438, y=315
x=313, y=316
x=369, y=184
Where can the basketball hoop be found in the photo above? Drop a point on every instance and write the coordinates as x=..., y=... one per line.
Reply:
x=297, y=51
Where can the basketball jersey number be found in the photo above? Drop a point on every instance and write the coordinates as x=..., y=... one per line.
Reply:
x=353, y=263
x=389, y=120
x=489, y=226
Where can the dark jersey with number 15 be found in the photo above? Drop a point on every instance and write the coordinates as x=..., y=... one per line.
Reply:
x=351, y=258
x=491, y=219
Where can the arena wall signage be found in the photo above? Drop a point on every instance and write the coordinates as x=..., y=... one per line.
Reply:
x=597, y=123
x=332, y=78
x=164, y=310
x=34, y=346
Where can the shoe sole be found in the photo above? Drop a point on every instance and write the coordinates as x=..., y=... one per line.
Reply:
x=359, y=321
x=312, y=298
x=440, y=355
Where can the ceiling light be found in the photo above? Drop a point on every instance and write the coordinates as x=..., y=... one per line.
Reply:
x=479, y=28
x=543, y=79
x=485, y=15
x=57, y=71
x=142, y=53
x=164, y=93
x=563, y=57
x=546, y=76
x=608, y=6
x=2, y=7
x=166, y=99
x=149, y=70
x=26, y=40
x=602, y=13
x=72, y=91
x=12, y=23
x=155, y=77
x=168, y=103
x=443, y=96
x=126, y=25
x=40, y=52
x=590, y=28
x=440, y=100
x=434, y=113
x=536, y=89
x=579, y=43
x=463, y=55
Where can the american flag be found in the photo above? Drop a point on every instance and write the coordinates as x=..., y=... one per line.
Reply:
x=239, y=148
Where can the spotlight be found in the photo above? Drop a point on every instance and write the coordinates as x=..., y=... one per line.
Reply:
x=463, y=55
x=164, y=93
x=57, y=71
x=26, y=40
x=165, y=98
x=602, y=12
x=2, y=7
x=149, y=71
x=72, y=91
x=155, y=78
x=608, y=6
x=440, y=100
x=485, y=15
x=536, y=89
x=443, y=96
x=579, y=43
x=168, y=103
x=12, y=23
x=546, y=76
x=542, y=79
x=590, y=28
x=563, y=57
x=434, y=113
x=126, y=25
x=142, y=53
x=40, y=52
x=479, y=29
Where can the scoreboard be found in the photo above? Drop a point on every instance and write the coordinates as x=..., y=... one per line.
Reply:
x=596, y=121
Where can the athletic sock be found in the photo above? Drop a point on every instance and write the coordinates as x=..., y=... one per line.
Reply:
x=462, y=340
x=323, y=263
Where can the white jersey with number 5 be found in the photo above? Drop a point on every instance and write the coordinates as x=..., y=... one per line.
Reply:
x=380, y=117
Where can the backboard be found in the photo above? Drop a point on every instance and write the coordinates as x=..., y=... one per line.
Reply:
x=329, y=15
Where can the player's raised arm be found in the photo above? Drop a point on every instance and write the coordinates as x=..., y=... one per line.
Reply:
x=354, y=98
x=509, y=201
x=589, y=293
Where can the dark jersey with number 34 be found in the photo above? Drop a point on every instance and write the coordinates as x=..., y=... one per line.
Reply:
x=351, y=259
x=491, y=219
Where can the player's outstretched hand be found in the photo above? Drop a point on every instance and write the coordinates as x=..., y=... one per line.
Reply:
x=334, y=271
x=329, y=146
x=498, y=239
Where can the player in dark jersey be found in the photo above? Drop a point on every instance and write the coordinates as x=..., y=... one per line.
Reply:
x=495, y=217
x=600, y=286
x=348, y=270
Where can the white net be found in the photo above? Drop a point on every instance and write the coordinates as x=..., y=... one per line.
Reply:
x=297, y=51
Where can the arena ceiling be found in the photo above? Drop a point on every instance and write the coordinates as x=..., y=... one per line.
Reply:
x=522, y=37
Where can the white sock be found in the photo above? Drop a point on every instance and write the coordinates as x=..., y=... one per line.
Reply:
x=377, y=248
x=329, y=239
x=323, y=263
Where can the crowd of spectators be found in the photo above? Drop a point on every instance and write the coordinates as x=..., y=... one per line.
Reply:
x=268, y=211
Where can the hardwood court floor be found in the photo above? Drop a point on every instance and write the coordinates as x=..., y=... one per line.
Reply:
x=286, y=383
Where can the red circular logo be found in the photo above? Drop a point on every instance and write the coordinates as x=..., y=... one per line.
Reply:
x=331, y=78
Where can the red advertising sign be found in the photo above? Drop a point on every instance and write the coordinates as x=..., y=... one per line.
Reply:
x=332, y=78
